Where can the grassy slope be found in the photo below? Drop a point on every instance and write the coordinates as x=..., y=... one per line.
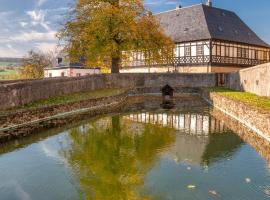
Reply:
x=261, y=103
x=74, y=97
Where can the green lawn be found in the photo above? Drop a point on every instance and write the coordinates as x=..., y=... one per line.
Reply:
x=74, y=97
x=8, y=74
x=262, y=103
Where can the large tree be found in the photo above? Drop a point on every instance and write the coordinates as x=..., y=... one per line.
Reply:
x=34, y=63
x=101, y=30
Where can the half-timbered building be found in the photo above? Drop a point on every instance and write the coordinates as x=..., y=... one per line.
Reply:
x=207, y=39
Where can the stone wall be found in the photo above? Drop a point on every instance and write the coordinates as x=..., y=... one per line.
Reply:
x=18, y=93
x=255, y=119
x=255, y=80
x=258, y=143
x=182, y=69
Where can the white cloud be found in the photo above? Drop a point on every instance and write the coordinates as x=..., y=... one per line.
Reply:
x=23, y=24
x=46, y=47
x=34, y=36
x=38, y=18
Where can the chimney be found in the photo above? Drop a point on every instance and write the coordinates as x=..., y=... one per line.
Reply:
x=209, y=3
x=178, y=6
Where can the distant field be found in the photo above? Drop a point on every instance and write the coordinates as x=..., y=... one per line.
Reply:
x=9, y=70
x=5, y=64
x=9, y=74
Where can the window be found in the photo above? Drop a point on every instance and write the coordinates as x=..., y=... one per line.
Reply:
x=218, y=50
x=187, y=51
x=239, y=52
x=199, y=50
x=265, y=55
x=59, y=60
x=222, y=51
x=244, y=53
x=256, y=54
x=227, y=51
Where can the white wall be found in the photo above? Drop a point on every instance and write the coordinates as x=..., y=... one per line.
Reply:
x=69, y=72
x=147, y=70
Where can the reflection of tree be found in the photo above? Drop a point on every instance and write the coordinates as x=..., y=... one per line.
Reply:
x=220, y=146
x=111, y=162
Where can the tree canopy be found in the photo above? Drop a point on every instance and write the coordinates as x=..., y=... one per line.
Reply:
x=33, y=65
x=100, y=30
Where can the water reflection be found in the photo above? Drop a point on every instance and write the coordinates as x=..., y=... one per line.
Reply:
x=111, y=157
x=152, y=154
x=212, y=139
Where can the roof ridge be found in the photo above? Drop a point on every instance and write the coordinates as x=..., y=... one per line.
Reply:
x=204, y=14
x=178, y=9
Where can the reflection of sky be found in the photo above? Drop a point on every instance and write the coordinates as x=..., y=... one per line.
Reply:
x=37, y=172
x=169, y=180
x=51, y=148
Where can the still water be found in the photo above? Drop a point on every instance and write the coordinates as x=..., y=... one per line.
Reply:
x=159, y=155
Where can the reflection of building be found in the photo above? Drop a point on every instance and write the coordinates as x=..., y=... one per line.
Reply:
x=207, y=39
x=200, y=138
x=64, y=68
x=192, y=123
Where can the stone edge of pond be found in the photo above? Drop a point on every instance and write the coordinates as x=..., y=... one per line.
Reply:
x=20, y=123
x=28, y=122
x=246, y=134
x=253, y=118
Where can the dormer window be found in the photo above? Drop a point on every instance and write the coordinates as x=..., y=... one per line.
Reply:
x=59, y=60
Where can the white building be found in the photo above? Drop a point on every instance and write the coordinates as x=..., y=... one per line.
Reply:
x=207, y=39
x=64, y=68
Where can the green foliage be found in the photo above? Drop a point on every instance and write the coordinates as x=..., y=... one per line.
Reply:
x=262, y=103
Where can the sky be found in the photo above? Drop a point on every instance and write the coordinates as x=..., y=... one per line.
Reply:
x=32, y=24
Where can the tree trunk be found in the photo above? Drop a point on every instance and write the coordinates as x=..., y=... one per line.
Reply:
x=115, y=65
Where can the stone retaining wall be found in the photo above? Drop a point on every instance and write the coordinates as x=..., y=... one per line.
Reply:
x=18, y=93
x=25, y=122
x=254, y=79
x=260, y=144
x=257, y=120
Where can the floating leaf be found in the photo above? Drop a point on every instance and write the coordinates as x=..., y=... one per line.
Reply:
x=188, y=168
x=248, y=180
x=213, y=192
x=191, y=186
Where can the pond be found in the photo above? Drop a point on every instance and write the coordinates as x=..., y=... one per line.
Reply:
x=183, y=153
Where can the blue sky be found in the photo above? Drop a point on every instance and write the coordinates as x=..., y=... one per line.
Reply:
x=32, y=24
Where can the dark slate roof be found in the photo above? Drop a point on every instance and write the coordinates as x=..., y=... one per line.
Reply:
x=201, y=22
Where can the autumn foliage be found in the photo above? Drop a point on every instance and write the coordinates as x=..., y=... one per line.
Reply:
x=100, y=30
x=33, y=65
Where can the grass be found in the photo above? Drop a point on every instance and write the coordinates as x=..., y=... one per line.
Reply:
x=259, y=102
x=8, y=74
x=73, y=98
